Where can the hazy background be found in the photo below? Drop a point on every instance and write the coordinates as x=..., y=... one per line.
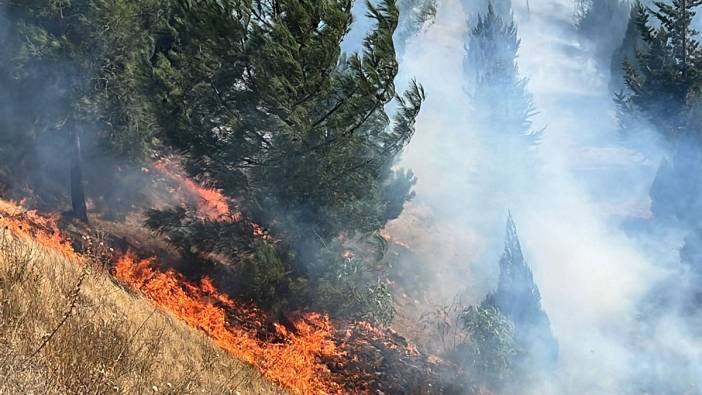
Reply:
x=577, y=209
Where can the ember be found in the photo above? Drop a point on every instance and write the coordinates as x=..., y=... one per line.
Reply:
x=380, y=361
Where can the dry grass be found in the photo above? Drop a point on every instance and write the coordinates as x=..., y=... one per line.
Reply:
x=67, y=328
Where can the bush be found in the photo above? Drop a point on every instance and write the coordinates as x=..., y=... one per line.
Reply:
x=490, y=350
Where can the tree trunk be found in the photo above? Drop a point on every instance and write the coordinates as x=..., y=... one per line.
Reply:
x=80, y=211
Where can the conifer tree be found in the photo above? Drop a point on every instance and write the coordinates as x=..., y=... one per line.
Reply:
x=415, y=15
x=517, y=298
x=664, y=82
x=263, y=104
x=501, y=101
x=602, y=24
x=626, y=52
x=501, y=111
x=71, y=80
x=666, y=86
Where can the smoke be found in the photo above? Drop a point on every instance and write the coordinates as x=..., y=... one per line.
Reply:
x=579, y=209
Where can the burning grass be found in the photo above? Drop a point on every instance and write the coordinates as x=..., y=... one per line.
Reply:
x=66, y=328
x=290, y=359
x=31, y=226
x=70, y=324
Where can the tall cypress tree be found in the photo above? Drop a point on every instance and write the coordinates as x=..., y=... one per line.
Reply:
x=517, y=297
x=501, y=110
x=501, y=100
x=602, y=26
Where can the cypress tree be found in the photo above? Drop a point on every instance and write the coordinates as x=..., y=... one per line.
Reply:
x=626, y=52
x=602, y=26
x=501, y=102
x=517, y=298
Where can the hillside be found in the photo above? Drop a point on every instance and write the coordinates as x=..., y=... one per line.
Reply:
x=86, y=314
x=67, y=327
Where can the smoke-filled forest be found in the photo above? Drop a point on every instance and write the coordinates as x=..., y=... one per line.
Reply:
x=351, y=197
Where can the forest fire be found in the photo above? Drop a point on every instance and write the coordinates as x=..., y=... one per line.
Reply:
x=31, y=225
x=290, y=360
x=211, y=203
x=310, y=356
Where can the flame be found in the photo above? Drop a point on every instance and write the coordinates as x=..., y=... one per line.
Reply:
x=313, y=358
x=33, y=226
x=385, y=234
x=292, y=361
x=211, y=203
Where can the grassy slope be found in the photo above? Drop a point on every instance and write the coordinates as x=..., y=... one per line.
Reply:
x=67, y=328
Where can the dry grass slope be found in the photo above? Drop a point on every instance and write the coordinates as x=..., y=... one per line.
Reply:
x=67, y=328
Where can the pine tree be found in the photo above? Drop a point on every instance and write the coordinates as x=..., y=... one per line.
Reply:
x=626, y=52
x=415, y=15
x=263, y=104
x=304, y=139
x=501, y=101
x=666, y=86
x=517, y=297
x=664, y=82
x=70, y=75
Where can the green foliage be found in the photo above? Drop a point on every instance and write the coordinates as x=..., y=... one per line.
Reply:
x=349, y=285
x=194, y=235
x=665, y=84
x=490, y=351
x=267, y=279
x=87, y=58
x=257, y=98
x=260, y=101
x=517, y=297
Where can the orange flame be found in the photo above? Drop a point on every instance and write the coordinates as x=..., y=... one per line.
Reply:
x=299, y=360
x=291, y=362
x=32, y=226
x=211, y=203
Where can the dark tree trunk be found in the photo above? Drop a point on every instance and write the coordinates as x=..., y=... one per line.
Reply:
x=80, y=211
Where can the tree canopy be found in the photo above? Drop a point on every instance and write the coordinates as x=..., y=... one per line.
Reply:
x=254, y=95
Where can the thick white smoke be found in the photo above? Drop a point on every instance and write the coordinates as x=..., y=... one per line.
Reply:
x=587, y=187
